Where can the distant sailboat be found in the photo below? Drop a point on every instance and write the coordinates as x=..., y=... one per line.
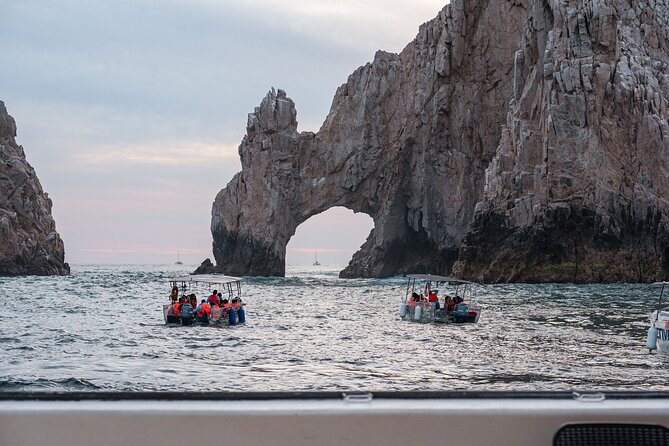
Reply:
x=178, y=262
x=316, y=262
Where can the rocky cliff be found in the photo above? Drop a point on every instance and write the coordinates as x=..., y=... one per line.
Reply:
x=29, y=243
x=509, y=141
x=579, y=187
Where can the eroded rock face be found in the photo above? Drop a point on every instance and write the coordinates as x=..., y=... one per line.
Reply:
x=522, y=141
x=579, y=187
x=29, y=243
x=407, y=141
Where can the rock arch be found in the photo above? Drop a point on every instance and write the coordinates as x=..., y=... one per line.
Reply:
x=407, y=141
x=525, y=139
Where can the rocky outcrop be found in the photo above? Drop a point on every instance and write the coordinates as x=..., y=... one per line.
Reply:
x=29, y=243
x=407, y=141
x=509, y=141
x=579, y=187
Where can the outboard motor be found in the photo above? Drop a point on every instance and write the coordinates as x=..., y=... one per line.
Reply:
x=186, y=314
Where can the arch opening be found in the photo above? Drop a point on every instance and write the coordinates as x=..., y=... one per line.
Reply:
x=334, y=235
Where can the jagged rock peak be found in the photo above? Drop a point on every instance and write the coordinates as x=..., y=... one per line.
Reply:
x=29, y=243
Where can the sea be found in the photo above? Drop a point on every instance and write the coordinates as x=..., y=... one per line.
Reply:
x=102, y=329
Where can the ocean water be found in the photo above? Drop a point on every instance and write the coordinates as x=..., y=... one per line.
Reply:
x=102, y=329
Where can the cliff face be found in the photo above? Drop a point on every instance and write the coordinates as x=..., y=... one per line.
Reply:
x=509, y=141
x=29, y=243
x=579, y=187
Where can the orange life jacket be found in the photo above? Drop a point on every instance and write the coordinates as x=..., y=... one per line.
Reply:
x=207, y=309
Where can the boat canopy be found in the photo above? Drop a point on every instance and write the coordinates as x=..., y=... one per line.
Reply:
x=661, y=283
x=210, y=279
x=434, y=278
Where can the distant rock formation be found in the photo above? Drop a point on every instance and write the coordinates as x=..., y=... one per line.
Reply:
x=511, y=140
x=206, y=267
x=29, y=243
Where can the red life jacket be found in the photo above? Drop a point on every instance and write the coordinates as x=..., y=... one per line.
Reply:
x=213, y=299
x=177, y=308
x=433, y=297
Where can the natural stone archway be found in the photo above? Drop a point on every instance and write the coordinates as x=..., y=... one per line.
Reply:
x=407, y=141
x=526, y=139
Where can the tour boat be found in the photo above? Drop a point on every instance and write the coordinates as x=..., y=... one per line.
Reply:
x=422, y=302
x=658, y=333
x=193, y=289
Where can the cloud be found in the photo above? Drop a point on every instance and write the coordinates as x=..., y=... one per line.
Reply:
x=182, y=154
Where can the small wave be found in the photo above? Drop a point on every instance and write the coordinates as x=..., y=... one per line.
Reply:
x=65, y=384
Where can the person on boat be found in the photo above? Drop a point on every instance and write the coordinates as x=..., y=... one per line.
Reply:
x=213, y=298
x=176, y=308
x=415, y=297
x=174, y=296
x=203, y=312
x=450, y=304
x=186, y=312
x=193, y=300
x=433, y=299
x=215, y=311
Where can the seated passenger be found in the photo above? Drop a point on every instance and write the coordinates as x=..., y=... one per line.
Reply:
x=202, y=312
x=177, y=306
x=414, y=297
x=450, y=304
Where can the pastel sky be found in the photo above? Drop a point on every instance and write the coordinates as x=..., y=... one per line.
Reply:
x=131, y=111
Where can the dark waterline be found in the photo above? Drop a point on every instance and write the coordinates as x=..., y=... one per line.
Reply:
x=101, y=329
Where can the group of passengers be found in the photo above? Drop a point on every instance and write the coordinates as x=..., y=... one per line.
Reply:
x=211, y=309
x=432, y=296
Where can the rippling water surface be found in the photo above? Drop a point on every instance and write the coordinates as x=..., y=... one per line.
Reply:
x=102, y=329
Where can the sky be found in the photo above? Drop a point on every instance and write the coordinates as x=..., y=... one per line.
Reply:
x=131, y=112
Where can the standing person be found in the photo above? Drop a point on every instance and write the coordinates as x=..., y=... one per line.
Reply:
x=434, y=299
x=213, y=298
